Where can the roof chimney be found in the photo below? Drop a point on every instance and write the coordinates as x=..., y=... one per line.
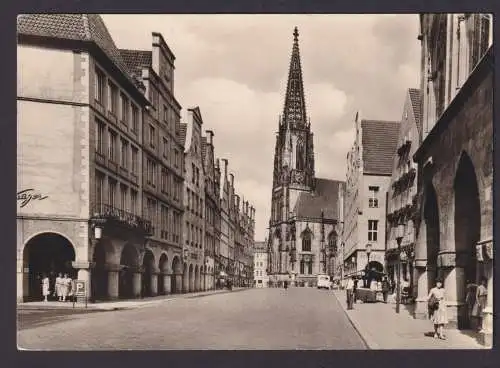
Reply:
x=210, y=136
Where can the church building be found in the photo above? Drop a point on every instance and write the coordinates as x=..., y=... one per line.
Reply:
x=306, y=211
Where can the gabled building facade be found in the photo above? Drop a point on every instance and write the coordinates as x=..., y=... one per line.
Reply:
x=162, y=174
x=402, y=192
x=369, y=170
x=455, y=162
x=194, y=203
x=212, y=209
x=303, y=228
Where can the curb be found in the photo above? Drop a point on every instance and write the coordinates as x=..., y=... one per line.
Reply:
x=366, y=337
x=104, y=308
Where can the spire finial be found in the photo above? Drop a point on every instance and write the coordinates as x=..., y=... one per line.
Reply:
x=295, y=34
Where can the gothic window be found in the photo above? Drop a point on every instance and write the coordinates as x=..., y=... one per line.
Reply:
x=299, y=162
x=332, y=241
x=306, y=240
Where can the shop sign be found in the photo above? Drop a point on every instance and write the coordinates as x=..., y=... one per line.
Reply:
x=26, y=196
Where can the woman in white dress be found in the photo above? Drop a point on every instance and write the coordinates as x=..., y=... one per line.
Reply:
x=59, y=287
x=66, y=286
x=439, y=316
x=45, y=287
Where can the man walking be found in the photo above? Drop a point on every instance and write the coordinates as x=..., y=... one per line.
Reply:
x=350, y=289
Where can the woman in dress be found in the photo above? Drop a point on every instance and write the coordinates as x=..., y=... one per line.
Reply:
x=439, y=316
x=66, y=286
x=45, y=287
x=481, y=299
x=59, y=286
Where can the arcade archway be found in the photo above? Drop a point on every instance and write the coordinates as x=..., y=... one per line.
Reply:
x=162, y=266
x=431, y=218
x=148, y=266
x=99, y=282
x=196, y=278
x=191, y=278
x=467, y=227
x=185, y=278
x=176, y=271
x=47, y=254
x=129, y=261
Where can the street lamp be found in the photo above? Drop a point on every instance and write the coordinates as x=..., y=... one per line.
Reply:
x=399, y=237
x=368, y=251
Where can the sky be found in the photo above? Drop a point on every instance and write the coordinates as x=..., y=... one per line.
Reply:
x=234, y=68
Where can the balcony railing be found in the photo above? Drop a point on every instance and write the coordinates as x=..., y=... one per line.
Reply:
x=123, y=218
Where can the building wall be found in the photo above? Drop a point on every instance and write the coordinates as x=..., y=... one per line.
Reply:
x=260, y=269
x=194, y=195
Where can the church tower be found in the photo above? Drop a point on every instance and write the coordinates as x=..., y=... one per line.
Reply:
x=293, y=159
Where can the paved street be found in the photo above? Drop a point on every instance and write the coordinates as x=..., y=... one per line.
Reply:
x=297, y=318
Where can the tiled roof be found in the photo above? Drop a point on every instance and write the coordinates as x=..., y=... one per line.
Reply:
x=379, y=141
x=415, y=99
x=324, y=198
x=136, y=60
x=78, y=27
x=183, y=133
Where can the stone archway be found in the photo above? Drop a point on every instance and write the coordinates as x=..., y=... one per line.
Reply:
x=129, y=261
x=431, y=219
x=46, y=254
x=148, y=264
x=191, y=278
x=185, y=278
x=467, y=220
x=197, y=278
x=99, y=276
x=176, y=273
x=163, y=267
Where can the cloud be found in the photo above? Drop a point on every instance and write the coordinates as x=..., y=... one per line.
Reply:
x=234, y=67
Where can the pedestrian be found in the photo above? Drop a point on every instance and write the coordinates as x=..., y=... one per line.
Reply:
x=437, y=309
x=59, y=287
x=45, y=287
x=285, y=284
x=470, y=299
x=349, y=287
x=354, y=289
x=385, y=288
x=66, y=287
x=481, y=300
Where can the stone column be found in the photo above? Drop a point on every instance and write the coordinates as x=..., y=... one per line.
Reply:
x=167, y=286
x=486, y=334
x=422, y=288
x=154, y=284
x=178, y=283
x=113, y=283
x=23, y=281
x=137, y=278
x=453, y=281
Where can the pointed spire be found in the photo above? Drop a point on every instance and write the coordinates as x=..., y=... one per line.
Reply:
x=295, y=108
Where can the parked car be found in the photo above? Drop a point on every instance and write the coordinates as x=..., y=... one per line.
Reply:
x=324, y=282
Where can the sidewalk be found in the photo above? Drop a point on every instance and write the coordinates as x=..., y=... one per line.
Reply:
x=382, y=328
x=121, y=304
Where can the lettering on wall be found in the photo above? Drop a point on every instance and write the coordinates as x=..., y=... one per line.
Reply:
x=25, y=196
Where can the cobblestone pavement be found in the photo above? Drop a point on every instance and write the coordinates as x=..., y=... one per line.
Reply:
x=382, y=328
x=297, y=318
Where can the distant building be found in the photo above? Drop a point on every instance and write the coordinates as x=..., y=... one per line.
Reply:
x=369, y=170
x=260, y=265
x=402, y=193
x=305, y=218
x=455, y=161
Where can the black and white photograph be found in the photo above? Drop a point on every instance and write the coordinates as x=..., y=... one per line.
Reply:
x=254, y=181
